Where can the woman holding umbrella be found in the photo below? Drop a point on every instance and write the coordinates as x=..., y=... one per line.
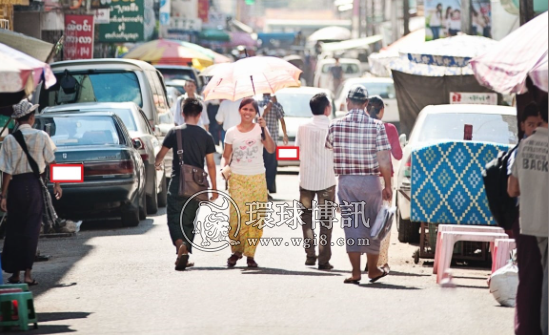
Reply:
x=244, y=145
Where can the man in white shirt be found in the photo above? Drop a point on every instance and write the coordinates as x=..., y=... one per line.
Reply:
x=228, y=116
x=190, y=92
x=317, y=178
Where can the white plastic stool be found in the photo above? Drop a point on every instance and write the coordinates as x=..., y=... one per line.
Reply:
x=463, y=228
x=502, y=249
x=449, y=238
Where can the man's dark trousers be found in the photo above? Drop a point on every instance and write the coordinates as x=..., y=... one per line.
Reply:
x=271, y=165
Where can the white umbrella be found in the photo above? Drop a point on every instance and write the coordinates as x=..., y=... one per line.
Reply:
x=20, y=72
x=522, y=53
x=331, y=34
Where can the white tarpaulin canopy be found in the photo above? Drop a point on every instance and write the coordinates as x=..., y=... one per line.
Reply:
x=351, y=44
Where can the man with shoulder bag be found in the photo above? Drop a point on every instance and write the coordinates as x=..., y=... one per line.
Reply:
x=23, y=159
x=192, y=146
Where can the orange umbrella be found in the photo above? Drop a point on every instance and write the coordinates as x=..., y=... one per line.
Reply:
x=169, y=52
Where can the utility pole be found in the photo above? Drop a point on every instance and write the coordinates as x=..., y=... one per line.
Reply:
x=466, y=16
x=526, y=10
x=406, y=16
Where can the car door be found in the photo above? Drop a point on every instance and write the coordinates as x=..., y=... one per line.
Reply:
x=152, y=142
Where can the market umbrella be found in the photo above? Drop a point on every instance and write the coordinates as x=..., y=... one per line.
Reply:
x=252, y=76
x=169, y=52
x=379, y=62
x=20, y=72
x=454, y=51
x=505, y=67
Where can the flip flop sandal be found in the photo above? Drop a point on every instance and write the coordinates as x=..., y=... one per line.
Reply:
x=14, y=281
x=181, y=264
x=32, y=283
x=385, y=273
x=351, y=281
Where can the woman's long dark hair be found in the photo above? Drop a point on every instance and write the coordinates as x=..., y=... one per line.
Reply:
x=248, y=101
x=375, y=105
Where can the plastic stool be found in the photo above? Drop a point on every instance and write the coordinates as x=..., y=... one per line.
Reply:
x=24, y=287
x=463, y=228
x=502, y=249
x=25, y=308
x=449, y=238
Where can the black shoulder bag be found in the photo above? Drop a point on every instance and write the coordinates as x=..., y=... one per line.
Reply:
x=49, y=218
x=192, y=180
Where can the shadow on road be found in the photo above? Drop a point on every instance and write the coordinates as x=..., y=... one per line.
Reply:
x=388, y=286
x=407, y=274
x=271, y=271
x=58, y=316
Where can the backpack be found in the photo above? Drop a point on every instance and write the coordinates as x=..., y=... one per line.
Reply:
x=504, y=208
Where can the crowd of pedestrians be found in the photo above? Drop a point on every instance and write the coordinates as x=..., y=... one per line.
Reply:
x=249, y=133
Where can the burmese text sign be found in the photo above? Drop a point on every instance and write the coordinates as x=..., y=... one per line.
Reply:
x=78, y=37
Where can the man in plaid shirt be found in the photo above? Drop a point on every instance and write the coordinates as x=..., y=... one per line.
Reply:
x=273, y=113
x=361, y=152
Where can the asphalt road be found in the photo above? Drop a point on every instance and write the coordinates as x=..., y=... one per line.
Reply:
x=113, y=280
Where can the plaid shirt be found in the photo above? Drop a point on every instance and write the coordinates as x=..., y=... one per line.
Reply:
x=276, y=113
x=13, y=159
x=356, y=139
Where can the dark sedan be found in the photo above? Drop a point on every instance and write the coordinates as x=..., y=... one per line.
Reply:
x=114, y=173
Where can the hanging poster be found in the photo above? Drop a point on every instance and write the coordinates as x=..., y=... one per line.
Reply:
x=443, y=18
x=78, y=37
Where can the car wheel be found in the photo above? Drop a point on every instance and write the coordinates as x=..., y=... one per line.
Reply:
x=130, y=217
x=163, y=195
x=152, y=203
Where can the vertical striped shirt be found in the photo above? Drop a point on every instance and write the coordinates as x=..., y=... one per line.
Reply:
x=316, y=167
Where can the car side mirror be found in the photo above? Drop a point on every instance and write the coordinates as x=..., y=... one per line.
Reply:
x=402, y=140
x=137, y=143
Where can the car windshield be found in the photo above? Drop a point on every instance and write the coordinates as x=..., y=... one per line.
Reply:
x=76, y=130
x=295, y=104
x=127, y=117
x=94, y=87
x=496, y=128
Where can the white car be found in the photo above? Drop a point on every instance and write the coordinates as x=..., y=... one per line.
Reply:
x=384, y=87
x=297, y=112
x=323, y=79
x=438, y=123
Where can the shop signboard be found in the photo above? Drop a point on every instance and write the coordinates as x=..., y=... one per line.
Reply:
x=165, y=10
x=78, y=37
x=127, y=18
x=443, y=18
x=203, y=9
x=473, y=98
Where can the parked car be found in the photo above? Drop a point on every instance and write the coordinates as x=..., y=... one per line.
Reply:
x=440, y=123
x=173, y=72
x=351, y=69
x=143, y=136
x=384, y=87
x=114, y=172
x=297, y=112
x=108, y=80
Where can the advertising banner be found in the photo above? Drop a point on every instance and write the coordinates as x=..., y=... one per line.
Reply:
x=203, y=9
x=78, y=37
x=443, y=18
x=165, y=10
x=185, y=9
x=127, y=22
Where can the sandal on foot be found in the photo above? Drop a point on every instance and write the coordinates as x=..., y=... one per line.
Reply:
x=231, y=262
x=351, y=281
x=31, y=283
x=181, y=263
x=251, y=263
x=385, y=273
x=11, y=280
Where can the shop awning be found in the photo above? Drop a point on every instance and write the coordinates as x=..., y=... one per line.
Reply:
x=29, y=45
x=214, y=35
x=351, y=44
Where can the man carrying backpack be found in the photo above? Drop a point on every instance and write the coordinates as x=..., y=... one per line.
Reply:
x=530, y=174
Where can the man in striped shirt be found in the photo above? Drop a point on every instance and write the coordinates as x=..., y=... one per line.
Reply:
x=317, y=178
